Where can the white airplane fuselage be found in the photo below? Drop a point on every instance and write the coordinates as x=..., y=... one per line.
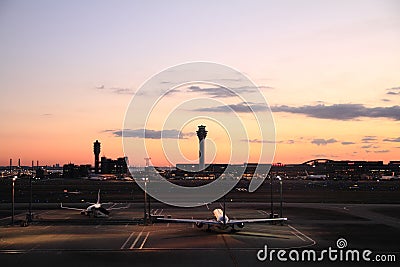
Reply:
x=94, y=210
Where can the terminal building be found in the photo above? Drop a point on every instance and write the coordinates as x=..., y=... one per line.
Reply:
x=110, y=166
x=312, y=169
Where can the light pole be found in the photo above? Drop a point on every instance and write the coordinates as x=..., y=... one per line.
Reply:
x=145, y=201
x=280, y=192
x=13, y=184
x=272, y=200
x=148, y=202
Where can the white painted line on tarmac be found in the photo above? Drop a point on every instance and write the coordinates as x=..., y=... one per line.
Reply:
x=127, y=240
x=136, y=240
x=302, y=239
x=263, y=212
x=144, y=241
x=312, y=240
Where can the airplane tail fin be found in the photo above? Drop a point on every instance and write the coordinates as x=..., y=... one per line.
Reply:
x=98, y=197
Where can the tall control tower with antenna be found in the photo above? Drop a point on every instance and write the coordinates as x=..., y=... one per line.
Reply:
x=96, y=150
x=201, y=134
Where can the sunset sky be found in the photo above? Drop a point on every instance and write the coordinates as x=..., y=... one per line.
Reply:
x=330, y=71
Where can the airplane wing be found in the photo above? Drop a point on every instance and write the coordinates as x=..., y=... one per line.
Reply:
x=256, y=220
x=211, y=222
x=69, y=208
x=118, y=208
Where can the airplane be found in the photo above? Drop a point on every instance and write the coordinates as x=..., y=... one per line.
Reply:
x=315, y=176
x=95, y=209
x=221, y=221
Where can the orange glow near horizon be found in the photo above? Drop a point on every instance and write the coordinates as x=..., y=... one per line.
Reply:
x=65, y=83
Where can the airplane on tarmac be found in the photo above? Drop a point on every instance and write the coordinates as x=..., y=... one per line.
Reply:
x=221, y=220
x=315, y=176
x=95, y=209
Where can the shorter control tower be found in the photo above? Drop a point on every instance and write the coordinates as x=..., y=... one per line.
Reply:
x=201, y=134
x=96, y=150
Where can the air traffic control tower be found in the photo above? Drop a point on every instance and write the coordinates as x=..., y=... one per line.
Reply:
x=201, y=134
x=96, y=150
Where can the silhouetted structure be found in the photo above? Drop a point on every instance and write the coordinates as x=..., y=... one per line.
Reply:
x=110, y=166
x=201, y=134
x=74, y=171
x=40, y=173
x=312, y=169
x=96, y=150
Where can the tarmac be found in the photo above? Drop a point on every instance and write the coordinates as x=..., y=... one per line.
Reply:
x=66, y=238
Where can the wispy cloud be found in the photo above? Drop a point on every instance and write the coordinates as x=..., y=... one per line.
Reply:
x=258, y=141
x=369, y=139
x=396, y=140
x=393, y=91
x=216, y=92
x=341, y=111
x=324, y=156
x=150, y=134
x=240, y=108
x=323, y=142
x=345, y=143
x=382, y=151
x=219, y=92
x=122, y=91
x=116, y=90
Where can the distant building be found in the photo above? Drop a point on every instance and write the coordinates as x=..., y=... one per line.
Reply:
x=312, y=169
x=110, y=166
x=40, y=173
x=76, y=171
